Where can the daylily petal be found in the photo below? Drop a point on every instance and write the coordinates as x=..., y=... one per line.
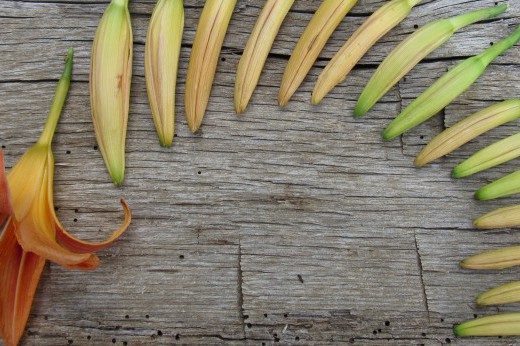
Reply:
x=25, y=178
x=74, y=244
x=36, y=233
x=66, y=239
x=19, y=273
x=5, y=197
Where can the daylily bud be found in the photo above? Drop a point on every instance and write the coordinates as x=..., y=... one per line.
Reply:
x=504, y=294
x=494, y=259
x=257, y=49
x=206, y=48
x=493, y=155
x=447, y=88
x=497, y=325
x=161, y=60
x=505, y=186
x=500, y=218
x=322, y=25
x=412, y=50
x=467, y=129
x=110, y=77
x=375, y=27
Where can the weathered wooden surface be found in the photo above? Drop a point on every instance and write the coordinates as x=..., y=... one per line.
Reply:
x=294, y=225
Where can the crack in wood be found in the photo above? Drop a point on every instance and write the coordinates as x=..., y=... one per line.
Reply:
x=240, y=292
x=423, y=286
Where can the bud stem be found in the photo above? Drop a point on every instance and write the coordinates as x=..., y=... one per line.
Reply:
x=120, y=2
x=477, y=16
x=57, y=103
x=498, y=48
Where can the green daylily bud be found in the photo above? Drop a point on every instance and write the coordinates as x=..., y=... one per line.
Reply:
x=447, y=88
x=412, y=50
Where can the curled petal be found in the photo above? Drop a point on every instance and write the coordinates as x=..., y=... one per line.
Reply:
x=77, y=245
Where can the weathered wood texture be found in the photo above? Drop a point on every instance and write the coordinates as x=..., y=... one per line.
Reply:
x=295, y=225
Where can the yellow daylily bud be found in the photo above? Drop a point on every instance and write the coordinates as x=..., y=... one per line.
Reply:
x=494, y=259
x=375, y=27
x=322, y=25
x=161, y=60
x=412, y=50
x=206, y=48
x=447, y=88
x=257, y=49
x=504, y=294
x=501, y=218
x=497, y=325
x=110, y=77
x=467, y=129
x=493, y=155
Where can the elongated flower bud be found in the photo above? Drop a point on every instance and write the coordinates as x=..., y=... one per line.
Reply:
x=161, y=60
x=206, y=48
x=375, y=27
x=110, y=77
x=257, y=49
x=504, y=294
x=447, y=88
x=506, y=217
x=412, y=50
x=491, y=156
x=322, y=25
x=497, y=325
x=494, y=259
x=505, y=186
x=467, y=129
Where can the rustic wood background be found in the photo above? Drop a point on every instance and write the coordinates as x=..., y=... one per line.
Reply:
x=295, y=225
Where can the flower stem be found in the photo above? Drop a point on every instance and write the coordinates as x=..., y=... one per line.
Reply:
x=57, y=103
x=120, y=2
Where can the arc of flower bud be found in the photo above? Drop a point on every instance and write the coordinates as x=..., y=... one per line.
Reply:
x=505, y=186
x=497, y=153
x=504, y=294
x=326, y=19
x=110, y=77
x=257, y=49
x=375, y=27
x=447, y=88
x=494, y=259
x=206, y=48
x=497, y=325
x=412, y=50
x=506, y=217
x=467, y=129
x=161, y=60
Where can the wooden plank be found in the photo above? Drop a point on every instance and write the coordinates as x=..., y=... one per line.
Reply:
x=295, y=225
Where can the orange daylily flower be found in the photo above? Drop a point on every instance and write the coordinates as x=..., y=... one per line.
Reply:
x=32, y=233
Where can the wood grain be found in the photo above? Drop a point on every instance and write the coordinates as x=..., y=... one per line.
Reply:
x=295, y=225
